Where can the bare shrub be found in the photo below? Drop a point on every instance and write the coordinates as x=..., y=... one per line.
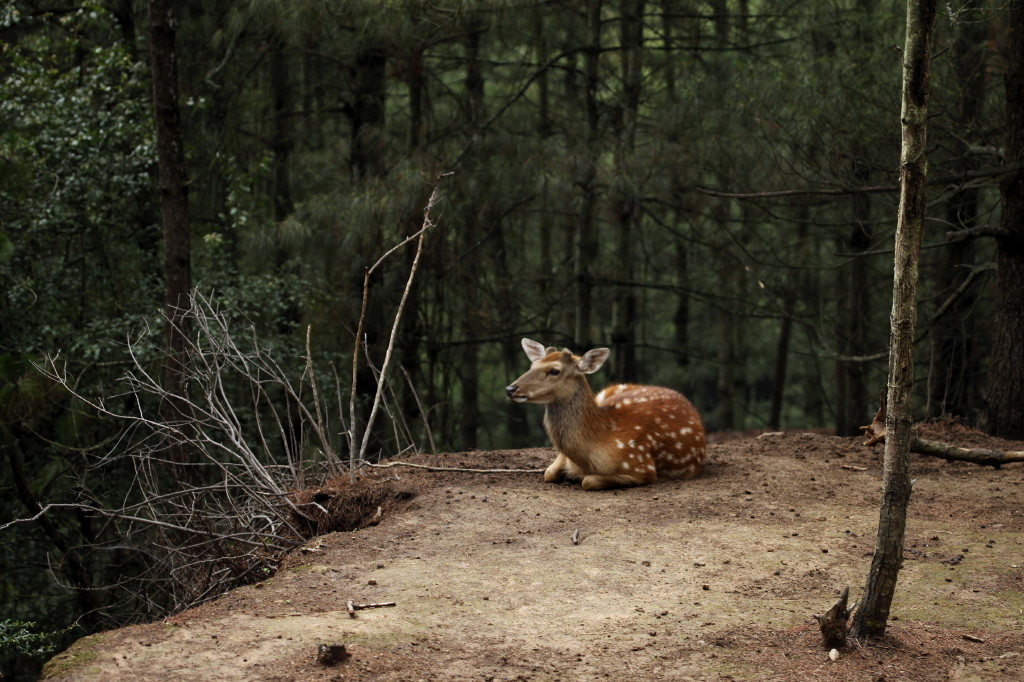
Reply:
x=248, y=469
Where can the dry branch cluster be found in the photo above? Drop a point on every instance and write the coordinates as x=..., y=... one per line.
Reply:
x=245, y=467
x=249, y=438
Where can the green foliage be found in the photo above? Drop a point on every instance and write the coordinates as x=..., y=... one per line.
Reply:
x=18, y=637
x=79, y=245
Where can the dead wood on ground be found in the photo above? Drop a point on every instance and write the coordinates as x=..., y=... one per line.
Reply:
x=875, y=433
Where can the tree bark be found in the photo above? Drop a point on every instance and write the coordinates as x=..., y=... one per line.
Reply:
x=781, y=360
x=833, y=622
x=873, y=610
x=416, y=85
x=955, y=365
x=851, y=376
x=794, y=288
x=281, y=141
x=626, y=313
x=1005, y=390
x=681, y=315
x=473, y=225
x=174, y=207
x=585, y=247
x=367, y=113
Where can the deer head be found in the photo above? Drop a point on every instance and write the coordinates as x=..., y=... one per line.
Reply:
x=555, y=374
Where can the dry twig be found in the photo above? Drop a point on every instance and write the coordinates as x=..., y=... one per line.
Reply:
x=360, y=454
x=352, y=607
x=425, y=467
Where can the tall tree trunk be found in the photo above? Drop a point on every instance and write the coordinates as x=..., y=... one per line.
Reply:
x=729, y=276
x=681, y=315
x=416, y=85
x=953, y=373
x=366, y=121
x=852, y=402
x=1005, y=390
x=542, y=50
x=585, y=246
x=625, y=314
x=174, y=208
x=795, y=287
x=473, y=226
x=367, y=113
x=873, y=611
x=281, y=142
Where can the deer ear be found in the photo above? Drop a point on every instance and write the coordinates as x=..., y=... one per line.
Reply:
x=592, y=360
x=534, y=351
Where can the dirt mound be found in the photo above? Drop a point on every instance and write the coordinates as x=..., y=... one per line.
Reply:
x=500, y=576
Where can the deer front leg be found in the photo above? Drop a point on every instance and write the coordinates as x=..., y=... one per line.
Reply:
x=557, y=471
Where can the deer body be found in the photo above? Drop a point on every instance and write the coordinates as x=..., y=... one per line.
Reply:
x=626, y=435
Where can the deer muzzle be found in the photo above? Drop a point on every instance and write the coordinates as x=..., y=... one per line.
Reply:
x=512, y=391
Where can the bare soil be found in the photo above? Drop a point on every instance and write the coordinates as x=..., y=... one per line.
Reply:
x=713, y=578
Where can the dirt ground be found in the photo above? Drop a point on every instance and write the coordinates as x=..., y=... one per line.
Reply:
x=714, y=578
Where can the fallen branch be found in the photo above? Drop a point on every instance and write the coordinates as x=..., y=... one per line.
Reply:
x=352, y=607
x=875, y=433
x=458, y=469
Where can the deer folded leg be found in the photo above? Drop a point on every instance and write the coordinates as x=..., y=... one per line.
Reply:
x=606, y=481
x=557, y=471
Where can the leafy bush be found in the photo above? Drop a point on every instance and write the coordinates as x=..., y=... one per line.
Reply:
x=17, y=638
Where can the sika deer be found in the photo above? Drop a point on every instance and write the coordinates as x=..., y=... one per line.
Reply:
x=627, y=435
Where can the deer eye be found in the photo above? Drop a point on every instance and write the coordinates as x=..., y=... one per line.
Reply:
x=554, y=372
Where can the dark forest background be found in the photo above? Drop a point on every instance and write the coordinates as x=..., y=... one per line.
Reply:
x=706, y=187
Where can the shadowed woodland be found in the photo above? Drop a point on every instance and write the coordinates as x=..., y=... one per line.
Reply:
x=707, y=188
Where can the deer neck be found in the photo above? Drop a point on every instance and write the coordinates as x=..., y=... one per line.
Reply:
x=574, y=422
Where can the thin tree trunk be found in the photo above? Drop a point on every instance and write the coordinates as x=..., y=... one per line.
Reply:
x=416, y=85
x=852, y=400
x=781, y=360
x=873, y=611
x=543, y=53
x=681, y=315
x=953, y=374
x=626, y=316
x=586, y=240
x=472, y=225
x=174, y=208
x=1005, y=390
x=796, y=286
x=281, y=136
x=368, y=113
